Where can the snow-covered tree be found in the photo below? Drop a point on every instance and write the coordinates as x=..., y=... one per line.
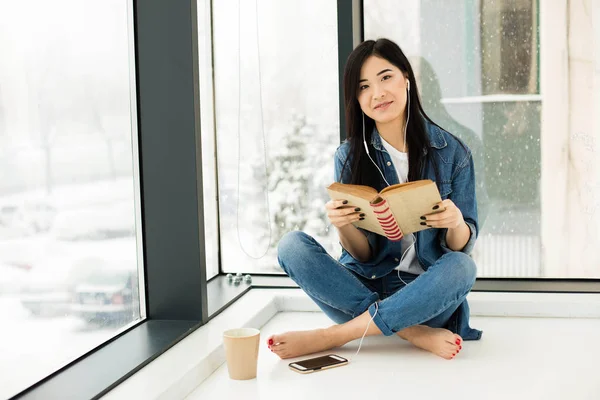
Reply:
x=299, y=171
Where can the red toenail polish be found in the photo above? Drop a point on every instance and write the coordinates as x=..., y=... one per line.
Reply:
x=453, y=355
x=460, y=347
x=270, y=341
x=457, y=341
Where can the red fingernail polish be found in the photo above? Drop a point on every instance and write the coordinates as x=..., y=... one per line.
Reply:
x=270, y=341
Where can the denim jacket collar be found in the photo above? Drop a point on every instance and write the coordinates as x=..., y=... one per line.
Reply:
x=436, y=139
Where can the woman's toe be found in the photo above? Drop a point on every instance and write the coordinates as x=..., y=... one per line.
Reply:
x=278, y=339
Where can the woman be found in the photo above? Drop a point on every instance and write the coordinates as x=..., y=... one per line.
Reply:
x=415, y=288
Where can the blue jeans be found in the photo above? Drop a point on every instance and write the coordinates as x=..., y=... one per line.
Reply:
x=427, y=299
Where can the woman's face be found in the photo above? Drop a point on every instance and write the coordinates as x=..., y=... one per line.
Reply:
x=382, y=90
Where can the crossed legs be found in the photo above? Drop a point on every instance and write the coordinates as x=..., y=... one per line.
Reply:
x=416, y=313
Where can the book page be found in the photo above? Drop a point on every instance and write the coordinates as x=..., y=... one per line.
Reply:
x=408, y=205
x=370, y=222
x=365, y=192
x=406, y=186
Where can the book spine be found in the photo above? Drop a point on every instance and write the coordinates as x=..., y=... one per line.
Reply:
x=387, y=221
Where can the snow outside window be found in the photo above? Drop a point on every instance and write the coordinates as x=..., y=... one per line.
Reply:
x=277, y=125
x=68, y=184
x=518, y=81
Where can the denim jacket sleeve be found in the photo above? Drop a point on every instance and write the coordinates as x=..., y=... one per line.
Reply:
x=340, y=158
x=463, y=196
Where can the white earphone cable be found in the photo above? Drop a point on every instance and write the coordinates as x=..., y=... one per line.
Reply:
x=402, y=258
x=405, y=129
x=407, y=111
x=263, y=133
x=374, y=163
x=366, y=330
x=367, y=149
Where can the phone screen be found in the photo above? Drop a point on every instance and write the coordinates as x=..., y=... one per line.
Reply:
x=324, y=361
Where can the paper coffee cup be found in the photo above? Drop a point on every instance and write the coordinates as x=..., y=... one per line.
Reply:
x=241, y=352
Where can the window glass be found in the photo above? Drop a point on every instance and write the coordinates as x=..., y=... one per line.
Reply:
x=519, y=85
x=207, y=128
x=277, y=125
x=68, y=247
x=509, y=47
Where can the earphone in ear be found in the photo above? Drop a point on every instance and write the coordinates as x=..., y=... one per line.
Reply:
x=407, y=84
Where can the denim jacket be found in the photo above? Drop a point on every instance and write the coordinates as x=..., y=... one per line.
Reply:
x=456, y=182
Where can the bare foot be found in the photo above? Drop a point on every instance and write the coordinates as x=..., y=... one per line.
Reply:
x=439, y=341
x=299, y=343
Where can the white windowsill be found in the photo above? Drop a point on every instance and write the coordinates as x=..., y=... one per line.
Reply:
x=179, y=371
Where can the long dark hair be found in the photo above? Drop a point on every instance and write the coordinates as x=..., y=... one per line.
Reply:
x=363, y=171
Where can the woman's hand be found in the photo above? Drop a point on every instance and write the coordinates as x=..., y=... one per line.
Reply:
x=450, y=218
x=341, y=214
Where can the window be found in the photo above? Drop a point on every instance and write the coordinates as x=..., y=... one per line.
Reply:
x=509, y=47
x=68, y=197
x=516, y=84
x=275, y=152
x=207, y=120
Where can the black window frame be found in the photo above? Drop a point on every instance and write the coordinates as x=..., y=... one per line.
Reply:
x=178, y=297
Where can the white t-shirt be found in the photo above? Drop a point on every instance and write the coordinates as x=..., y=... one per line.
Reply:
x=409, y=262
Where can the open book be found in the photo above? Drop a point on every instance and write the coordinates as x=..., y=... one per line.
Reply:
x=395, y=211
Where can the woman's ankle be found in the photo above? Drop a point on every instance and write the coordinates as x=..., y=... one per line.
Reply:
x=410, y=332
x=333, y=336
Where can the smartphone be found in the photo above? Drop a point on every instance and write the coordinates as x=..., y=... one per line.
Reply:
x=318, y=363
